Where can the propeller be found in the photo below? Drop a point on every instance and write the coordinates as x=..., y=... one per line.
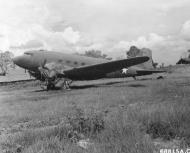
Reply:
x=44, y=63
x=29, y=74
x=41, y=67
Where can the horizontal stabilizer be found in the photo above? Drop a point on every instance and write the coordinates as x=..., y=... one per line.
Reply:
x=151, y=71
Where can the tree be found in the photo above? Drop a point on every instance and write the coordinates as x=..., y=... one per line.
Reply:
x=5, y=61
x=95, y=54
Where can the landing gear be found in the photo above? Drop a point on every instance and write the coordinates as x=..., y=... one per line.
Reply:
x=67, y=84
x=160, y=77
x=48, y=84
x=63, y=83
x=51, y=81
x=134, y=77
x=50, y=87
x=59, y=83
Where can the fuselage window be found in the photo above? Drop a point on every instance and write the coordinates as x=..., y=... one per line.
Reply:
x=28, y=53
x=67, y=62
x=75, y=63
x=60, y=60
x=82, y=63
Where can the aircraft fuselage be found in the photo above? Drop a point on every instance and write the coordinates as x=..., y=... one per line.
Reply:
x=34, y=59
x=75, y=67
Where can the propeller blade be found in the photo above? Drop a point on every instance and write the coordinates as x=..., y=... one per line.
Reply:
x=44, y=63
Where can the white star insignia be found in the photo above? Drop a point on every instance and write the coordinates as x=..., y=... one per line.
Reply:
x=124, y=71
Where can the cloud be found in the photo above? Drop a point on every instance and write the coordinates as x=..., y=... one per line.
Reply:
x=4, y=43
x=32, y=44
x=37, y=36
x=109, y=25
x=166, y=49
x=174, y=4
x=142, y=41
x=64, y=40
x=71, y=36
x=185, y=31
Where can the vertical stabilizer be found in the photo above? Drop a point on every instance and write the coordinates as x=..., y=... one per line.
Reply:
x=135, y=52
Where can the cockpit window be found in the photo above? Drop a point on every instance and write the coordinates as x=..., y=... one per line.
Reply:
x=28, y=53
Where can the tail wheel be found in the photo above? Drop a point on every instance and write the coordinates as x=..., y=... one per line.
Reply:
x=48, y=87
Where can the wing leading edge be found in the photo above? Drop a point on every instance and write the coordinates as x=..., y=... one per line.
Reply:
x=100, y=70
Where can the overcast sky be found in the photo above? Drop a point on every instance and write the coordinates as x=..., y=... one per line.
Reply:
x=109, y=25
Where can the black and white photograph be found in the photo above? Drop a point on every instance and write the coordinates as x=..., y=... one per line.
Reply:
x=94, y=76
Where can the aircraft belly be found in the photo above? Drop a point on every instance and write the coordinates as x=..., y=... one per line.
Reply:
x=140, y=73
x=81, y=75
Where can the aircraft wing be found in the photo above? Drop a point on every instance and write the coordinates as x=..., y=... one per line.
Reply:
x=100, y=70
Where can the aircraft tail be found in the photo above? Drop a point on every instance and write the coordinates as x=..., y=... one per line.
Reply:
x=135, y=52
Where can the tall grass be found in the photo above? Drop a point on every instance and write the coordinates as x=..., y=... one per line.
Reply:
x=111, y=134
x=131, y=128
x=163, y=120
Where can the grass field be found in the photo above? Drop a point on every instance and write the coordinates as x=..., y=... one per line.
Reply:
x=15, y=75
x=116, y=115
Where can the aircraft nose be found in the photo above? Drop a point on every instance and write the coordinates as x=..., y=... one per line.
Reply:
x=19, y=60
x=16, y=60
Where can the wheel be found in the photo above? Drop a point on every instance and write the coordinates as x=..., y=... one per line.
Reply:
x=50, y=87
